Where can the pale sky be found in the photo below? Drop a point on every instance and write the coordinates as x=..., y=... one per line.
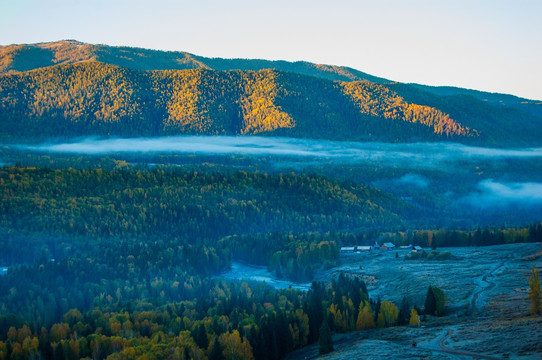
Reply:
x=490, y=45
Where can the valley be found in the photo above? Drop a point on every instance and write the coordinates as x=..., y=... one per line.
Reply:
x=161, y=205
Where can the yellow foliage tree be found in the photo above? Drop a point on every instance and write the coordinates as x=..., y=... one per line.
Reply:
x=365, y=317
x=414, y=319
x=388, y=314
x=338, y=319
x=235, y=348
x=3, y=351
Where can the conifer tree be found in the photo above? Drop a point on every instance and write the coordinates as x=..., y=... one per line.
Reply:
x=404, y=313
x=216, y=351
x=325, y=340
x=430, y=302
x=59, y=351
x=200, y=336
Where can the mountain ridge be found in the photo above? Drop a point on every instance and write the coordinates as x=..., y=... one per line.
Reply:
x=72, y=51
x=124, y=91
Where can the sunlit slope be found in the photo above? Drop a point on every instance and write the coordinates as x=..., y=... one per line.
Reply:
x=146, y=94
x=499, y=119
x=93, y=98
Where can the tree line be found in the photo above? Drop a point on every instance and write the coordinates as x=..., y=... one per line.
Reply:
x=231, y=320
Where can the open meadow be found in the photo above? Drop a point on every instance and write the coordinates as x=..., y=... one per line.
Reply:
x=487, y=308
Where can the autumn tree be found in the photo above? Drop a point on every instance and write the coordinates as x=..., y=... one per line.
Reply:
x=235, y=348
x=414, y=318
x=534, y=292
x=388, y=314
x=3, y=351
x=72, y=317
x=365, y=318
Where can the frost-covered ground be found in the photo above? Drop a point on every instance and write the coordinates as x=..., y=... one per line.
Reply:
x=488, y=311
x=466, y=280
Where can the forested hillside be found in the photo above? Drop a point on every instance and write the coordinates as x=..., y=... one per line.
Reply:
x=93, y=98
x=219, y=215
x=69, y=88
x=186, y=206
x=494, y=122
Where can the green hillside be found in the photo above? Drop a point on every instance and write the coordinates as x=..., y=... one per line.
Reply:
x=190, y=207
x=93, y=98
x=495, y=123
x=494, y=99
x=69, y=88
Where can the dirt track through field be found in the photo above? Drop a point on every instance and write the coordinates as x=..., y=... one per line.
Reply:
x=444, y=348
x=484, y=285
x=486, y=311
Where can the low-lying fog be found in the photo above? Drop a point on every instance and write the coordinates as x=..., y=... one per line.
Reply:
x=419, y=154
x=478, y=177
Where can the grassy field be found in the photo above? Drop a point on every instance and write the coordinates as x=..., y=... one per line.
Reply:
x=487, y=310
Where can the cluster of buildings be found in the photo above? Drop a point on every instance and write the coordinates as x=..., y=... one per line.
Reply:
x=376, y=246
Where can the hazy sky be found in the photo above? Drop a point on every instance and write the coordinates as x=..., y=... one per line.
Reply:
x=491, y=45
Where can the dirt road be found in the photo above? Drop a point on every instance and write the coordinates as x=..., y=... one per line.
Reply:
x=441, y=344
x=483, y=285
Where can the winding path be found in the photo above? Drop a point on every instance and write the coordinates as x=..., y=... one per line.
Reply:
x=444, y=348
x=487, y=285
x=474, y=305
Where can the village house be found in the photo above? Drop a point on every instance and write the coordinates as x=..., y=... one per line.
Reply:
x=387, y=246
x=363, y=248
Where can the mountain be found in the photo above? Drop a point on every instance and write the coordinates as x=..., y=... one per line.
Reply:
x=494, y=99
x=19, y=58
x=69, y=88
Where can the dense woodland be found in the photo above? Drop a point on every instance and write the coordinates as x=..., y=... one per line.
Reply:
x=185, y=205
x=225, y=321
x=93, y=98
x=119, y=263
x=81, y=89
